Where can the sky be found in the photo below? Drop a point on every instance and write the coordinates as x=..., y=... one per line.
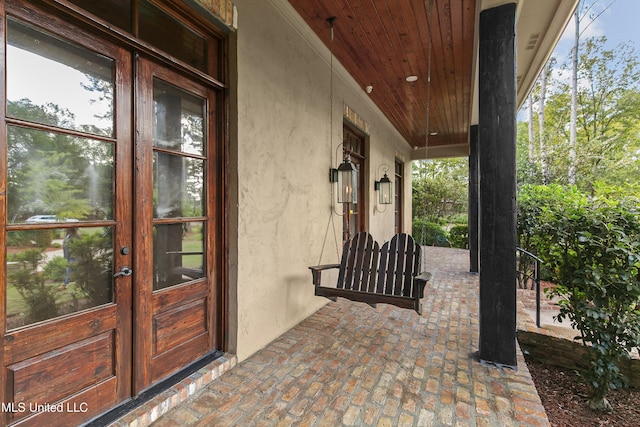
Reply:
x=618, y=22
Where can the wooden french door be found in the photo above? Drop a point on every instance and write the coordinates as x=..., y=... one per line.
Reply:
x=174, y=316
x=108, y=178
x=66, y=203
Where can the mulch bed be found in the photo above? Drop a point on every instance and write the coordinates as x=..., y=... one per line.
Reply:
x=564, y=399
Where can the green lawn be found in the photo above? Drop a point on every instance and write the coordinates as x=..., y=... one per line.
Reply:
x=16, y=304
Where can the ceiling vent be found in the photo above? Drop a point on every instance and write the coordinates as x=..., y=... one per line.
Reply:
x=533, y=41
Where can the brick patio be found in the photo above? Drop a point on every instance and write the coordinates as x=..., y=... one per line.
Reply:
x=350, y=364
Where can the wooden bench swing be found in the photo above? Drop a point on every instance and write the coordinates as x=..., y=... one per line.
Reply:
x=391, y=275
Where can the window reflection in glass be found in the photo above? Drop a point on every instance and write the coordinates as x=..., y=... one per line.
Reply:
x=178, y=186
x=53, y=82
x=55, y=177
x=55, y=272
x=177, y=253
x=178, y=119
x=116, y=12
x=164, y=31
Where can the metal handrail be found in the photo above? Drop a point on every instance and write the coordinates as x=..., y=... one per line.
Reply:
x=535, y=278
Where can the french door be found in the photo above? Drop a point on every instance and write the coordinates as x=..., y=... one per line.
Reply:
x=176, y=301
x=108, y=207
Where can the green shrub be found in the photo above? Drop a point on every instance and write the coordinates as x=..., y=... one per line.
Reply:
x=592, y=250
x=428, y=233
x=535, y=202
x=459, y=236
x=459, y=219
x=91, y=266
x=55, y=269
x=30, y=284
x=38, y=238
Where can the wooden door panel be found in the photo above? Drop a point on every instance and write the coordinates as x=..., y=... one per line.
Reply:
x=72, y=411
x=75, y=374
x=22, y=344
x=57, y=374
x=178, y=357
x=175, y=326
x=181, y=327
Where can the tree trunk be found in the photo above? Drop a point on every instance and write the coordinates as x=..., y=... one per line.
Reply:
x=541, y=128
x=532, y=137
x=574, y=102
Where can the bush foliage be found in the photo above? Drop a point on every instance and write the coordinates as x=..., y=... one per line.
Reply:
x=428, y=233
x=591, y=248
x=459, y=236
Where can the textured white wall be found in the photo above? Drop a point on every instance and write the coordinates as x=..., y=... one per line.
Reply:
x=281, y=152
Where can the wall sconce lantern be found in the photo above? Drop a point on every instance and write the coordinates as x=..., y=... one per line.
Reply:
x=383, y=187
x=347, y=178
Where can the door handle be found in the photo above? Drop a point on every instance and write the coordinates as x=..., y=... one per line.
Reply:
x=124, y=271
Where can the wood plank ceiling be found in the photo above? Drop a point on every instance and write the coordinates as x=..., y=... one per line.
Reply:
x=382, y=42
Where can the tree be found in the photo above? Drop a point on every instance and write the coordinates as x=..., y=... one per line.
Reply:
x=583, y=11
x=574, y=99
x=49, y=173
x=607, y=119
x=440, y=188
x=542, y=135
x=608, y=109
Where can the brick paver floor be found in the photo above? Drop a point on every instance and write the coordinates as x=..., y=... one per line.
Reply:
x=350, y=364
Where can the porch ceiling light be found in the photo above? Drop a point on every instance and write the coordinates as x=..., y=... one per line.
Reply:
x=383, y=187
x=411, y=78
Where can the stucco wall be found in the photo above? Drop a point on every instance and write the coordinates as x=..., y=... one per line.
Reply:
x=281, y=152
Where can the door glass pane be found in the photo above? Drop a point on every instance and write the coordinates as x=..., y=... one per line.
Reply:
x=178, y=255
x=53, y=177
x=53, y=82
x=162, y=30
x=57, y=271
x=116, y=12
x=178, y=186
x=179, y=119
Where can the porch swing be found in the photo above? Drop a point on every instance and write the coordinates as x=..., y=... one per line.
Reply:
x=367, y=273
x=391, y=275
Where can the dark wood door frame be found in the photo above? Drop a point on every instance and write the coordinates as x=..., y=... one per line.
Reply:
x=399, y=196
x=354, y=145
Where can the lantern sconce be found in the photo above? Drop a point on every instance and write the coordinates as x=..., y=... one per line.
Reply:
x=347, y=178
x=383, y=187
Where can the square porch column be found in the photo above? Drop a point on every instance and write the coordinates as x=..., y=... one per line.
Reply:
x=497, y=171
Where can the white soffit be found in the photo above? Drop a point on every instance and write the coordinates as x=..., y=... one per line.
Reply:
x=539, y=26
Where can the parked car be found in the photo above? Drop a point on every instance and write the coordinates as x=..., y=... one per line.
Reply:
x=37, y=219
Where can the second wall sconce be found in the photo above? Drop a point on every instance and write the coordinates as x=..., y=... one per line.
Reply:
x=383, y=187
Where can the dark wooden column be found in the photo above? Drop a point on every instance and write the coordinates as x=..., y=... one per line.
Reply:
x=497, y=167
x=473, y=200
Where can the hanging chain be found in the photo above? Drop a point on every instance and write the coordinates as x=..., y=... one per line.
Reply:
x=330, y=20
x=426, y=144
